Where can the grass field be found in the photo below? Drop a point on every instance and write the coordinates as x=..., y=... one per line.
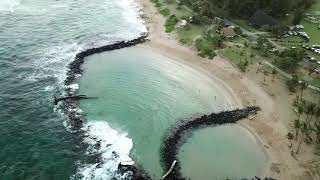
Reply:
x=182, y=11
x=312, y=30
x=315, y=9
x=190, y=35
x=233, y=54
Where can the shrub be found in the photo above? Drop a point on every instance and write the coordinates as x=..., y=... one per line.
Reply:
x=242, y=67
x=170, y=23
x=198, y=19
x=199, y=43
x=184, y=41
x=204, y=49
x=165, y=12
x=293, y=83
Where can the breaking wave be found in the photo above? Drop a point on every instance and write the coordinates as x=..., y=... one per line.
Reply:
x=113, y=148
x=9, y=5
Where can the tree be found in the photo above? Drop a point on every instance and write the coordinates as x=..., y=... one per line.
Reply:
x=297, y=127
x=251, y=57
x=265, y=73
x=293, y=83
x=309, y=110
x=311, y=69
x=290, y=137
x=259, y=64
x=274, y=72
x=241, y=55
x=298, y=15
x=261, y=42
x=218, y=40
x=278, y=30
x=303, y=85
x=238, y=31
x=303, y=130
x=317, y=131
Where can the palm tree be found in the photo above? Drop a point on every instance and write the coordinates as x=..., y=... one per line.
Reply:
x=246, y=45
x=290, y=137
x=310, y=109
x=274, y=72
x=303, y=86
x=265, y=73
x=251, y=57
x=317, y=115
x=297, y=127
x=304, y=129
x=300, y=111
x=317, y=131
x=259, y=64
x=241, y=54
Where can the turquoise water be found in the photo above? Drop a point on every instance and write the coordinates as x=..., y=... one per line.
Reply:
x=38, y=38
x=222, y=152
x=141, y=94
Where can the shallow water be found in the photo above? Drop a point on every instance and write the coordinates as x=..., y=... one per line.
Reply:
x=143, y=93
x=222, y=152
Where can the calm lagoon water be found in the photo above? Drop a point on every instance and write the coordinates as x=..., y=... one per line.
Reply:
x=141, y=94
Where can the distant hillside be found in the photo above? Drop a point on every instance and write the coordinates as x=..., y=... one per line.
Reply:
x=246, y=8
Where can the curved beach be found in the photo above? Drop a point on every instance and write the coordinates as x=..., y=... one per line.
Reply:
x=269, y=132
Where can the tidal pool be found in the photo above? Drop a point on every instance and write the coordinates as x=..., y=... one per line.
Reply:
x=143, y=93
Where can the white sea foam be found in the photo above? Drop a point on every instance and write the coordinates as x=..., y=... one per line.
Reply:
x=53, y=63
x=114, y=149
x=74, y=87
x=48, y=88
x=130, y=12
x=9, y=5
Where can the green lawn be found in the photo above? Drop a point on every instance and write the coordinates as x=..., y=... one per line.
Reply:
x=312, y=30
x=233, y=54
x=315, y=9
x=182, y=12
x=191, y=34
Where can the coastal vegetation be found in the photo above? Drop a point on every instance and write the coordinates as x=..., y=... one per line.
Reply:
x=307, y=124
x=245, y=8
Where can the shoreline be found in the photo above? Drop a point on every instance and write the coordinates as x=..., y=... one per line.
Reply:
x=265, y=127
x=233, y=97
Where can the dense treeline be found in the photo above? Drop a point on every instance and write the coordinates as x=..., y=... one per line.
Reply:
x=245, y=8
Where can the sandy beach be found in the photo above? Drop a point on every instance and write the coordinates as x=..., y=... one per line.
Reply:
x=269, y=127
